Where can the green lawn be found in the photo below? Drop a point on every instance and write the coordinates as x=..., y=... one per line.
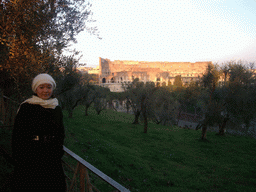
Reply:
x=164, y=159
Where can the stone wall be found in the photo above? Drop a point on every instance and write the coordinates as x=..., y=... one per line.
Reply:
x=163, y=73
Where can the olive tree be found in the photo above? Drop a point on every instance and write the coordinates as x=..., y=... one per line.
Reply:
x=164, y=107
x=33, y=34
x=139, y=96
x=100, y=101
x=207, y=104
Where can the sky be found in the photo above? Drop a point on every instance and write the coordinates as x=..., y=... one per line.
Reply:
x=170, y=30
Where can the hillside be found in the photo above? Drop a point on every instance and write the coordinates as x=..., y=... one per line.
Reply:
x=164, y=159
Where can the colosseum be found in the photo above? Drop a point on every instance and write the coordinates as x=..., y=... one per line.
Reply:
x=113, y=73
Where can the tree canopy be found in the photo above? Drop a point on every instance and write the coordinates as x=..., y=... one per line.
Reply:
x=33, y=34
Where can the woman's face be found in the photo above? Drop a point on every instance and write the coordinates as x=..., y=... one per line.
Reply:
x=44, y=91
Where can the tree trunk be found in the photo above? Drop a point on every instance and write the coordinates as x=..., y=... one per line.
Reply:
x=145, y=122
x=86, y=110
x=178, y=117
x=110, y=105
x=222, y=127
x=136, y=120
x=127, y=109
x=127, y=106
x=70, y=113
x=143, y=110
x=204, y=129
x=221, y=131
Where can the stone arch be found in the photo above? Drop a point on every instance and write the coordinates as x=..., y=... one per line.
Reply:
x=112, y=80
x=104, y=80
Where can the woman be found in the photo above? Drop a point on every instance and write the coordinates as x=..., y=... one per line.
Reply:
x=37, y=140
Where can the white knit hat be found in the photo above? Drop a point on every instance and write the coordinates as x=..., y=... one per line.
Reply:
x=41, y=79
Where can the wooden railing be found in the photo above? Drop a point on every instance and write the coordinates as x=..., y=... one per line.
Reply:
x=81, y=169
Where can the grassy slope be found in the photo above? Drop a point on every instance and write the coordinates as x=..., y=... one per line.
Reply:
x=164, y=159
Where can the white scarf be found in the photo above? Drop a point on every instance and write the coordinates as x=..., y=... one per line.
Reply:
x=49, y=103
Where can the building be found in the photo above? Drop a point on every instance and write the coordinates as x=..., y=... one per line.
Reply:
x=84, y=69
x=95, y=70
x=113, y=73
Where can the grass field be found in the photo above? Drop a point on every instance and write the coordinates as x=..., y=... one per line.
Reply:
x=164, y=159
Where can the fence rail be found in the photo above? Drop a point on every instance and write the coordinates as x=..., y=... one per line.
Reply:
x=82, y=167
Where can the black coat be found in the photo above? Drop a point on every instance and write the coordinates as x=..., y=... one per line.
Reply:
x=37, y=147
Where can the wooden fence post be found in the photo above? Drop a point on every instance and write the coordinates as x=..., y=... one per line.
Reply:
x=82, y=177
x=88, y=183
x=74, y=177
